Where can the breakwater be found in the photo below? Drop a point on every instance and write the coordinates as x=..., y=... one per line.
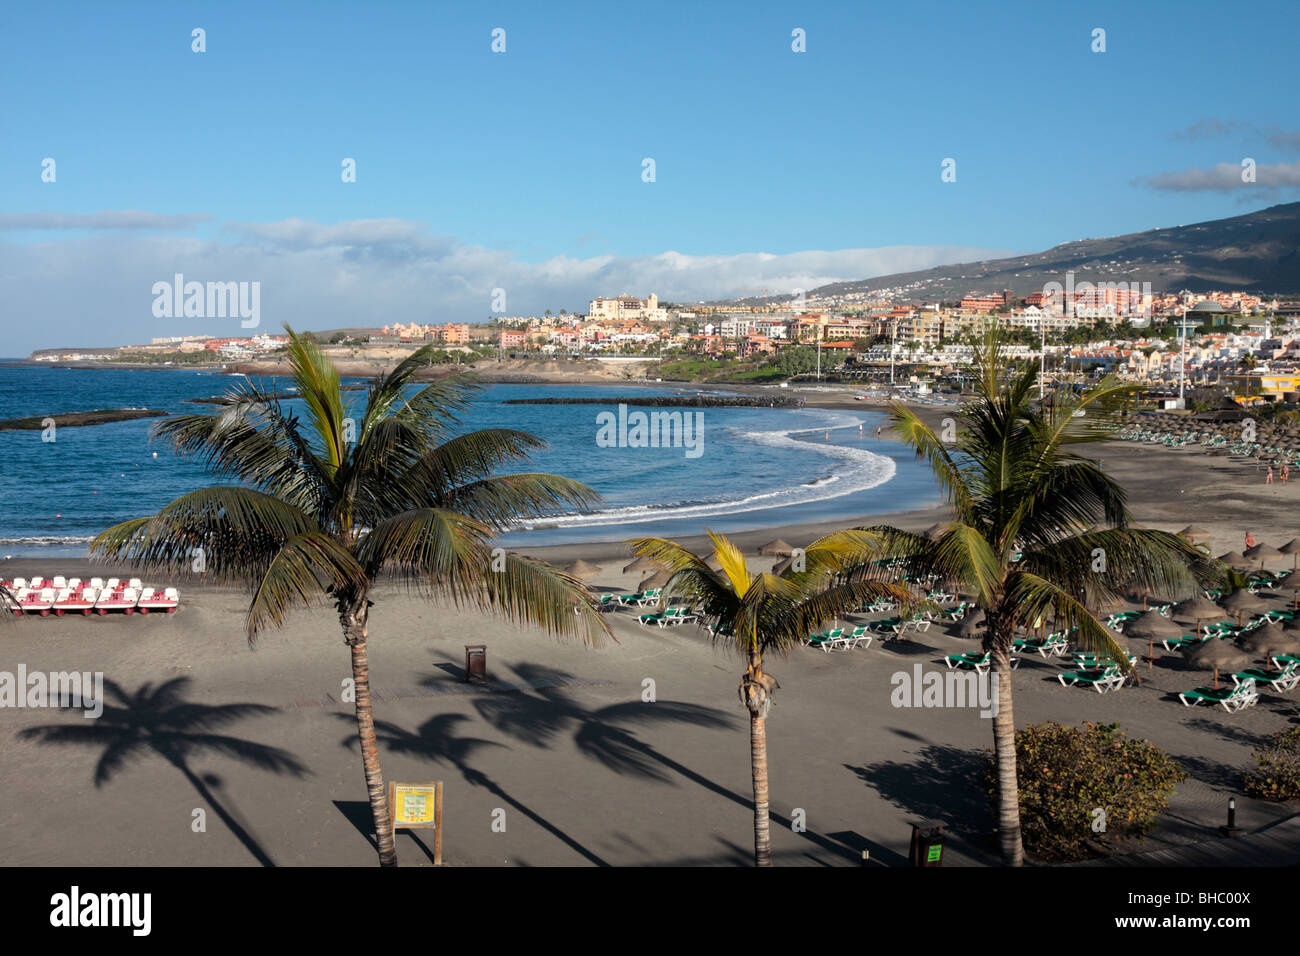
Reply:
x=101, y=416
x=674, y=401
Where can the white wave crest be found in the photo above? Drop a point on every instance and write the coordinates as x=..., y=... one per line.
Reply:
x=862, y=470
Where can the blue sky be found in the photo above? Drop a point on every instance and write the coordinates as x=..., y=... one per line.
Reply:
x=523, y=169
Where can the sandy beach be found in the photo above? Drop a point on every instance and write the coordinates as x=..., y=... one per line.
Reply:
x=561, y=745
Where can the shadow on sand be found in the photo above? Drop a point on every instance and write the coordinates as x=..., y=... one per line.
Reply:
x=158, y=720
x=537, y=717
x=941, y=783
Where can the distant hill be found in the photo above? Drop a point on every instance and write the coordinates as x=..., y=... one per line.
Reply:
x=1257, y=252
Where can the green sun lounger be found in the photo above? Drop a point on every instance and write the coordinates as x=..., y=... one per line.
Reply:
x=1280, y=680
x=1231, y=699
x=1100, y=679
x=827, y=639
x=971, y=661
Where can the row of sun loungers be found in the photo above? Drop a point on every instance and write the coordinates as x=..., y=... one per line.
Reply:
x=60, y=596
x=669, y=617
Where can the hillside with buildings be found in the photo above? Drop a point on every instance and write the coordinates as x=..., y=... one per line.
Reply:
x=1256, y=252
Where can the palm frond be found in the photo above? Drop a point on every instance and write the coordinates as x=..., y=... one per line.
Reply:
x=228, y=533
x=305, y=569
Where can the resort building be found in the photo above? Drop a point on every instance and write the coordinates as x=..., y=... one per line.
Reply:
x=627, y=308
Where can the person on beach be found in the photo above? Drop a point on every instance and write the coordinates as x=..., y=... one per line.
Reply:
x=1250, y=540
x=1286, y=473
x=1268, y=479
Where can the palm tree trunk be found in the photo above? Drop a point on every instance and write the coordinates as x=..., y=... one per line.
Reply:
x=1004, y=750
x=756, y=701
x=354, y=631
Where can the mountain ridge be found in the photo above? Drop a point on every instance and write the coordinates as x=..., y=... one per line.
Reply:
x=1255, y=252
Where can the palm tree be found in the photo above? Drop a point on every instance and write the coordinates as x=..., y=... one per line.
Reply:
x=160, y=719
x=759, y=613
x=323, y=508
x=1020, y=541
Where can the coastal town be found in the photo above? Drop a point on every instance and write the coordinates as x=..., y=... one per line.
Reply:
x=1248, y=344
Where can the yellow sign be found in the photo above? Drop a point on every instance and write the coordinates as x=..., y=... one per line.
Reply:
x=414, y=806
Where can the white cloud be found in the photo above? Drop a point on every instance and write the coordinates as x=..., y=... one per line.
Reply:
x=95, y=221
x=1226, y=177
x=96, y=290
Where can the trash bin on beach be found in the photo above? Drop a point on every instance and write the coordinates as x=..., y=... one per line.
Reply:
x=927, y=843
x=475, y=662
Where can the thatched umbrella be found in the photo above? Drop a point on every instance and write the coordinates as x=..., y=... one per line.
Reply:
x=642, y=564
x=1197, y=609
x=1261, y=553
x=777, y=548
x=1235, y=559
x=1292, y=548
x=657, y=580
x=1153, y=626
x=1193, y=533
x=1239, y=602
x=582, y=569
x=1271, y=639
x=1216, y=655
x=973, y=625
x=935, y=531
x=1292, y=583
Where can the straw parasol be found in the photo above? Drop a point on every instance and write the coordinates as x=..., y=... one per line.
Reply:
x=935, y=531
x=1239, y=602
x=642, y=564
x=777, y=548
x=1291, y=583
x=1235, y=559
x=656, y=580
x=1194, y=533
x=1197, y=609
x=1292, y=548
x=1216, y=655
x=1271, y=639
x=1261, y=553
x=582, y=569
x=1153, y=626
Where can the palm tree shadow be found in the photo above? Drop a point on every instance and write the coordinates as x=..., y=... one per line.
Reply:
x=942, y=783
x=436, y=740
x=537, y=717
x=158, y=719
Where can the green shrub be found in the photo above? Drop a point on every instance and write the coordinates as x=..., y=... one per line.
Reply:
x=1278, y=775
x=1066, y=773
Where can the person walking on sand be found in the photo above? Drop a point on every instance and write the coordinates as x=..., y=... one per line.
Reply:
x=1268, y=479
x=1286, y=473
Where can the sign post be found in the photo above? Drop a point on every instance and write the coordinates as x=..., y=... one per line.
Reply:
x=418, y=806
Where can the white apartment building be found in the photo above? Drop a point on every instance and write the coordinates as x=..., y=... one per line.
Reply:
x=627, y=308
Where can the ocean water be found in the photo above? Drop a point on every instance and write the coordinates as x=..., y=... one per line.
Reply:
x=758, y=467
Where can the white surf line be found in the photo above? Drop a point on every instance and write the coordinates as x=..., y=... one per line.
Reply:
x=869, y=471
